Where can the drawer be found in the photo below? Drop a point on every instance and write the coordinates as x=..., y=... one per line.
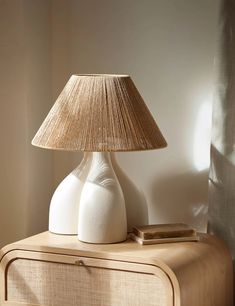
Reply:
x=36, y=278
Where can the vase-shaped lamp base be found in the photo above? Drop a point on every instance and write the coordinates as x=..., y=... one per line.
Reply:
x=102, y=211
x=64, y=207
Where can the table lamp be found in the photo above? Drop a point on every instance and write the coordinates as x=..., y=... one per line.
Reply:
x=98, y=114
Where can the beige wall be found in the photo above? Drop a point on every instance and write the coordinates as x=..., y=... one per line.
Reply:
x=166, y=46
x=13, y=129
x=38, y=74
x=25, y=92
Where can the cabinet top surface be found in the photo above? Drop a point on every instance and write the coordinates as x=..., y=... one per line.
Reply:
x=168, y=253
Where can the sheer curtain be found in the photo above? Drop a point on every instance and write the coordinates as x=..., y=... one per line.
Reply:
x=222, y=170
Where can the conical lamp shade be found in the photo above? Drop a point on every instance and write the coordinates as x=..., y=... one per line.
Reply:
x=99, y=113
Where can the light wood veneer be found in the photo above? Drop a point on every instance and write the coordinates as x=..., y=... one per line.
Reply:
x=174, y=274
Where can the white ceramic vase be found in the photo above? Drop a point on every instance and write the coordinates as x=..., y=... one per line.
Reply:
x=65, y=203
x=102, y=212
x=64, y=207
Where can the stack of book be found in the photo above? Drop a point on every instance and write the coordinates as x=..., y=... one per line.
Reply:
x=162, y=233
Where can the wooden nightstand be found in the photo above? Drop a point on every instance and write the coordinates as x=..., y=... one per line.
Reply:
x=55, y=270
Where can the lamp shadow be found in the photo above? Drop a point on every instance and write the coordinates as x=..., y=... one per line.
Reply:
x=181, y=198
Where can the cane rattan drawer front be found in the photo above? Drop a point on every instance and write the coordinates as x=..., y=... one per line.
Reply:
x=52, y=280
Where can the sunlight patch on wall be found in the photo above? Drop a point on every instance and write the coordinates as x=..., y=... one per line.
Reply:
x=202, y=137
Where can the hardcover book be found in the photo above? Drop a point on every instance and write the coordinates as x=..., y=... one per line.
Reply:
x=164, y=231
x=163, y=240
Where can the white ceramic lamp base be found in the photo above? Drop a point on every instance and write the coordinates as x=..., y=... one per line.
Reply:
x=102, y=211
x=64, y=207
x=65, y=203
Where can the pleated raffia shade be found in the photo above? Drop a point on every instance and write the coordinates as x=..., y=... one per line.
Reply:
x=99, y=113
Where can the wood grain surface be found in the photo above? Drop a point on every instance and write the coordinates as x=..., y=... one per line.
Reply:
x=200, y=272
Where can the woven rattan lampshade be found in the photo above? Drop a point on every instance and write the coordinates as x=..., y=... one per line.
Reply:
x=99, y=113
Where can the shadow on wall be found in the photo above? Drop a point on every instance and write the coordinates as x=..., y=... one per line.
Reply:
x=190, y=190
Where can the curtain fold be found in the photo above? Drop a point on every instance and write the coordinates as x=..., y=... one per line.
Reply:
x=222, y=169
